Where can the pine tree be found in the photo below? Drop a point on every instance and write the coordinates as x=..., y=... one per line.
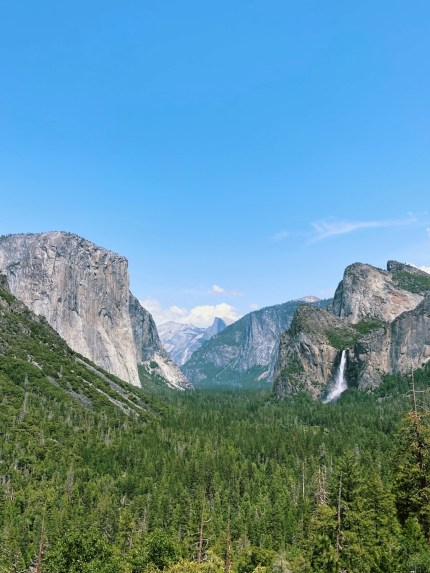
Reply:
x=412, y=474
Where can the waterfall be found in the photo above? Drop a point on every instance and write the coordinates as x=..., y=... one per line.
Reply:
x=339, y=384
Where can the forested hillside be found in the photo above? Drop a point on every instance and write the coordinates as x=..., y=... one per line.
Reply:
x=95, y=476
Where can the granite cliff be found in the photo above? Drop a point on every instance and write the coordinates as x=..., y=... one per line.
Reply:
x=380, y=318
x=83, y=292
x=149, y=349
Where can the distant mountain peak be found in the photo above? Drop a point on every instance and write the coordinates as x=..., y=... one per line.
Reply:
x=310, y=298
x=181, y=340
x=216, y=327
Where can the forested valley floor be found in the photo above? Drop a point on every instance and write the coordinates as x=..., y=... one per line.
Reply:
x=216, y=481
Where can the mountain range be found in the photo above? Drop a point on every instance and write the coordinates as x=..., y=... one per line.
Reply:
x=244, y=353
x=378, y=318
x=181, y=340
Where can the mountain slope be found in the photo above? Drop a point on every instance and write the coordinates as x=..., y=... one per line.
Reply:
x=34, y=358
x=181, y=340
x=244, y=352
x=151, y=354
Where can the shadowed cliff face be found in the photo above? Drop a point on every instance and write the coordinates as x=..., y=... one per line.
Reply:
x=83, y=292
x=308, y=353
x=149, y=349
x=395, y=348
x=380, y=317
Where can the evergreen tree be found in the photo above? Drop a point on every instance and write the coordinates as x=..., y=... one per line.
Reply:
x=412, y=474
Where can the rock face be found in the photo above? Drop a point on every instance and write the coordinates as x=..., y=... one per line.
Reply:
x=367, y=291
x=181, y=340
x=244, y=352
x=83, y=292
x=307, y=352
x=394, y=348
x=215, y=328
x=381, y=318
x=149, y=349
x=30, y=349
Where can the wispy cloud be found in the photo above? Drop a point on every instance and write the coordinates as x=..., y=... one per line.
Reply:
x=330, y=227
x=281, y=235
x=216, y=289
x=219, y=290
x=202, y=315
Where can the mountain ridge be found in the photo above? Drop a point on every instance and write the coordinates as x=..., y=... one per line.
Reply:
x=244, y=352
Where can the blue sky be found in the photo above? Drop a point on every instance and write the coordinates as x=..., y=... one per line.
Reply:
x=240, y=154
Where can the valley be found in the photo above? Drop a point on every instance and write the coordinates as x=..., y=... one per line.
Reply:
x=323, y=469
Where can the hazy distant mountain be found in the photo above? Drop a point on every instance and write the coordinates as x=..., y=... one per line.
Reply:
x=181, y=340
x=310, y=298
x=216, y=327
x=244, y=352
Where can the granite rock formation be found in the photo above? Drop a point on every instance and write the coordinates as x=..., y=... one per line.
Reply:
x=83, y=292
x=149, y=349
x=380, y=318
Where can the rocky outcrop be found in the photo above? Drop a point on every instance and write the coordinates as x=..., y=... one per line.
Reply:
x=366, y=291
x=215, y=328
x=394, y=348
x=244, y=352
x=381, y=318
x=149, y=350
x=83, y=292
x=309, y=352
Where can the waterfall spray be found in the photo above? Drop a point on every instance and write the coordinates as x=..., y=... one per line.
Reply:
x=340, y=384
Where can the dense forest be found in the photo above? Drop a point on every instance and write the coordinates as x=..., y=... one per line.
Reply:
x=215, y=481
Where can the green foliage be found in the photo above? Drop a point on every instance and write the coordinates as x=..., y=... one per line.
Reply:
x=117, y=492
x=5, y=295
x=82, y=552
x=162, y=549
x=292, y=369
x=366, y=325
x=341, y=338
x=412, y=282
x=412, y=477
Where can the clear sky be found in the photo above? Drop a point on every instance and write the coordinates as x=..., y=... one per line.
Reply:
x=239, y=153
